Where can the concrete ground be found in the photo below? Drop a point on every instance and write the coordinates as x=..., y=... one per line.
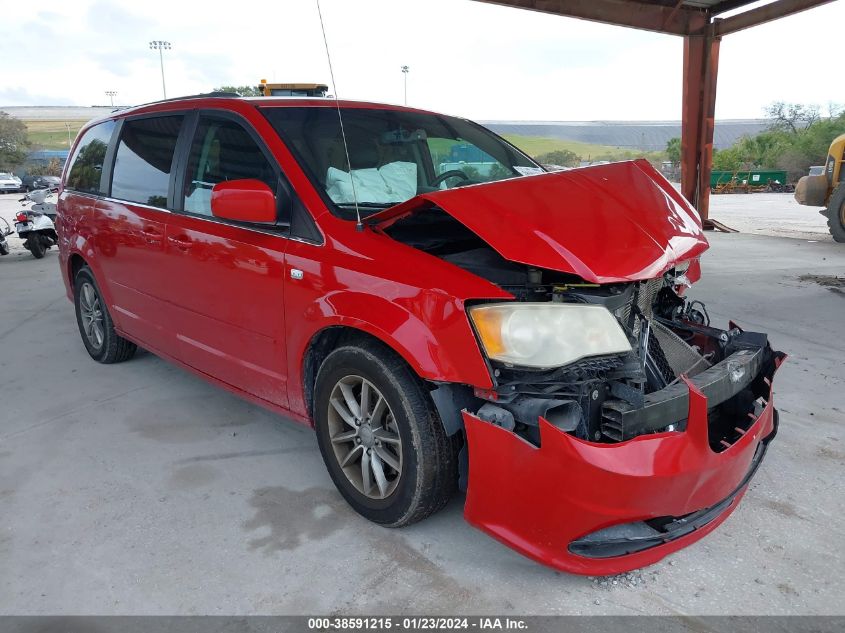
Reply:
x=140, y=489
x=769, y=214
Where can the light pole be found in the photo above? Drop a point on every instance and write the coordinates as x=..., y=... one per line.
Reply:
x=111, y=95
x=67, y=127
x=161, y=45
x=405, y=70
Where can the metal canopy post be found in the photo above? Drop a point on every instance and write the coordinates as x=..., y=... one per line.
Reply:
x=701, y=66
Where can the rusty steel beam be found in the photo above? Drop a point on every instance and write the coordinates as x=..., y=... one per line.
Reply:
x=700, y=68
x=761, y=15
x=676, y=20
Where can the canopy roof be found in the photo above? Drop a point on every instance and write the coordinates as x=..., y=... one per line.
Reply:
x=676, y=17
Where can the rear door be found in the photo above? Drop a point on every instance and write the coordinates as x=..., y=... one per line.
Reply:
x=131, y=228
x=226, y=278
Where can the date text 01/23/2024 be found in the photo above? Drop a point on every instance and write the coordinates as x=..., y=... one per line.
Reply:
x=419, y=623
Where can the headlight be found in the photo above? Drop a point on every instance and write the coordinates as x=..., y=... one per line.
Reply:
x=545, y=335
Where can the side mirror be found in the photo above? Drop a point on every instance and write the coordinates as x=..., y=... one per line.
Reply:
x=245, y=200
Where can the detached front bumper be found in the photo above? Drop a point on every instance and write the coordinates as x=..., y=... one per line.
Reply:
x=582, y=507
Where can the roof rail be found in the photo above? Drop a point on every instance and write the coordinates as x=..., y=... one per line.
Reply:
x=202, y=95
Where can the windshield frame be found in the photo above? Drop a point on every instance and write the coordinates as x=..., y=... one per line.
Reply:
x=346, y=211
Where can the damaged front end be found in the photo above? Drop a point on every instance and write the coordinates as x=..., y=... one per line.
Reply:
x=613, y=461
x=622, y=425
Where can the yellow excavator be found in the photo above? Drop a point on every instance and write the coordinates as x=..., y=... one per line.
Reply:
x=828, y=189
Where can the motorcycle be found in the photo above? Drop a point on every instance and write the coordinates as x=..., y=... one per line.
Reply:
x=5, y=229
x=35, y=226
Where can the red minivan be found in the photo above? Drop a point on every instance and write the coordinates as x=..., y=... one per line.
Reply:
x=444, y=312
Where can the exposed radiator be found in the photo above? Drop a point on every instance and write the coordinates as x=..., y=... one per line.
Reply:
x=682, y=358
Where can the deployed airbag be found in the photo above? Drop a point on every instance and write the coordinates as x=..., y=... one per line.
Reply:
x=389, y=183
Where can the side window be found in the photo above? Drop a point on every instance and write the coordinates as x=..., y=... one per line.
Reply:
x=222, y=150
x=143, y=160
x=86, y=164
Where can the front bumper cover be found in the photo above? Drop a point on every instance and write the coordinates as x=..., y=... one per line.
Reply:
x=550, y=503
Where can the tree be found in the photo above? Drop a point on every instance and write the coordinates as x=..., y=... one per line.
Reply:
x=244, y=91
x=797, y=139
x=563, y=157
x=52, y=168
x=13, y=142
x=673, y=150
x=89, y=163
x=791, y=116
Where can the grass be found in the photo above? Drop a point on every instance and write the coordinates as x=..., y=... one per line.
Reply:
x=51, y=134
x=539, y=145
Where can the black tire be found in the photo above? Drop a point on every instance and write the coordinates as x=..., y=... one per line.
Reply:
x=36, y=246
x=113, y=348
x=429, y=457
x=835, y=214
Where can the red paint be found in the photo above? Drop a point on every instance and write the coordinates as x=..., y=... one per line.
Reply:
x=549, y=496
x=220, y=300
x=609, y=223
x=247, y=200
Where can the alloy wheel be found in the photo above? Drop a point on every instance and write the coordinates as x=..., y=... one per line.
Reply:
x=365, y=437
x=92, y=315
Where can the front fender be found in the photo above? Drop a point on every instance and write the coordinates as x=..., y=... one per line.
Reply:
x=430, y=331
x=413, y=302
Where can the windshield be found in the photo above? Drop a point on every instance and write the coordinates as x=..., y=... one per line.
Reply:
x=394, y=155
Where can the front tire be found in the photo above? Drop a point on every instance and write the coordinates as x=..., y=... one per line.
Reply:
x=380, y=436
x=104, y=345
x=835, y=213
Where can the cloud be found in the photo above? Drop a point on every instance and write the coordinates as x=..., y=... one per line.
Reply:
x=110, y=20
x=469, y=58
x=22, y=97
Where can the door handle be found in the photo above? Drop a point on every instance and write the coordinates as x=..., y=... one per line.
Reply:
x=152, y=236
x=180, y=241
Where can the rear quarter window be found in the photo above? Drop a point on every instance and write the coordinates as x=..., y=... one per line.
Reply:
x=86, y=164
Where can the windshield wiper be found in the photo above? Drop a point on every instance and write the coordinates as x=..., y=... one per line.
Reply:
x=368, y=205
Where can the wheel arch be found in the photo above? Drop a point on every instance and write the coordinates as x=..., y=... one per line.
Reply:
x=83, y=255
x=74, y=264
x=324, y=341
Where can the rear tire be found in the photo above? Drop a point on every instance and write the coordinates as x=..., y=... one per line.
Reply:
x=419, y=474
x=36, y=246
x=835, y=213
x=96, y=327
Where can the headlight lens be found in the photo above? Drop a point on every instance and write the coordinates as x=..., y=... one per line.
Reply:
x=543, y=335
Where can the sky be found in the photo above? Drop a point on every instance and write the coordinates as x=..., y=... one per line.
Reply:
x=466, y=58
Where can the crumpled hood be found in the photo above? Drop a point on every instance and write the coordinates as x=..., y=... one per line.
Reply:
x=618, y=222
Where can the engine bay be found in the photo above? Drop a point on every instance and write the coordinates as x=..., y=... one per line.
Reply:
x=611, y=398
